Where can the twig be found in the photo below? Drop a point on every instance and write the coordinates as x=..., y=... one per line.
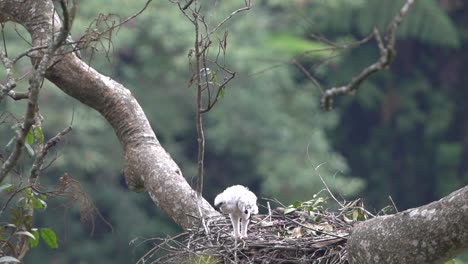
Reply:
x=316, y=230
x=42, y=153
x=11, y=197
x=26, y=52
x=248, y=5
x=134, y=15
x=323, y=181
x=393, y=203
x=35, y=85
x=311, y=78
x=269, y=210
x=187, y=5
x=199, y=121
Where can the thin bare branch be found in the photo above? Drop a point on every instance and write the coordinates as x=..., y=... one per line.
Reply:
x=134, y=15
x=306, y=72
x=187, y=5
x=248, y=5
x=27, y=52
x=36, y=81
x=199, y=121
x=42, y=153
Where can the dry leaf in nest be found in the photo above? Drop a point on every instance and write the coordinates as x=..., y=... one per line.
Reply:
x=296, y=232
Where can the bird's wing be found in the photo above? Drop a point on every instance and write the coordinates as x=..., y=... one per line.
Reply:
x=228, y=200
x=236, y=199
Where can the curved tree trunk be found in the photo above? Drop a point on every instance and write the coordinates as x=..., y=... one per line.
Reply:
x=431, y=233
x=148, y=167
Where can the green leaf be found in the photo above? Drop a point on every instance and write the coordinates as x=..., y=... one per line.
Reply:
x=48, y=235
x=30, y=137
x=213, y=76
x=221, y=92
x=34, y=242
x=25, y=233
x=43, y=203
x=289, y=209
x=297, y=204
x=15, y=215
x=39, y=134
x=6, y=259
x=318, y=218
x=32, y=199
x=355, y=215
x=37, y=203
x=27, y=193
x=6, y=186
x=29, y=149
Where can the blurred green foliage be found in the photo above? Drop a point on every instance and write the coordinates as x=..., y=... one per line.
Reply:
x=403, y=134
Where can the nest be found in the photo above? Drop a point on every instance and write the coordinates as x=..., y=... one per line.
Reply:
x=281, y=236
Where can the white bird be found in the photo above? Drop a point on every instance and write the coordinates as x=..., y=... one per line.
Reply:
x=240, y=204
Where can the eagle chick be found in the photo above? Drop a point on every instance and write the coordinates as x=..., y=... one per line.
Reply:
x=240, y=204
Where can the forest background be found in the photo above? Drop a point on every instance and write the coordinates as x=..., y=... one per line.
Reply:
x=403, y=135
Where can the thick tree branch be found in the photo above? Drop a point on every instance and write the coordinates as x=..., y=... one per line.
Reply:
x=432, y=233
x=147, y=166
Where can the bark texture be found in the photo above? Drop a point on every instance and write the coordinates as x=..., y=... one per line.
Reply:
x=432, y=233
x=148, y=167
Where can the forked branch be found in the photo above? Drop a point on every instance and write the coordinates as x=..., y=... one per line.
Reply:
x=387, y=54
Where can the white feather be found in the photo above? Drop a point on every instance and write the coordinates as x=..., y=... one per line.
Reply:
x=240, y=204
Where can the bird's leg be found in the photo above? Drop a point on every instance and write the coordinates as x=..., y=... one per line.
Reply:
x=244, y=224
x=235, y=225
